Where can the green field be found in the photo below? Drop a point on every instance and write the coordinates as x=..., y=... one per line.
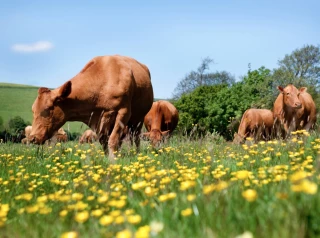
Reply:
x=17, y=100
x=188, y=188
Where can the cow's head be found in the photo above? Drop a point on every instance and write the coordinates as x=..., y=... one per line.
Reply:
x=48, y=116
x=291, y=96
x=156, y=136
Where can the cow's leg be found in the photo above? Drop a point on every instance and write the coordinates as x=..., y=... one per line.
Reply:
x=309, y=124
x=121, y=121
x=106, y=123
x=136, y=135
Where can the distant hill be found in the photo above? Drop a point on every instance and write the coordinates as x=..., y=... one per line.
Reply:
x=17, y=100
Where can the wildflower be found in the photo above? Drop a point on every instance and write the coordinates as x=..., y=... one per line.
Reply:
x=305, y=186
x=242, y=174
x=143, y=232
x=82, y=217
x=97, y=213
x=191, y=197
x=63, y=213
x=124, y=234
x=186, y=212
x=70, y=234
x=106, y=220
x=250, y=195
x=134, y=219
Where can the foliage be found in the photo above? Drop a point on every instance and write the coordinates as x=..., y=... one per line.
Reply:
x=301, y=68
x=17, y=125
x=213, y=108
x=200, y=77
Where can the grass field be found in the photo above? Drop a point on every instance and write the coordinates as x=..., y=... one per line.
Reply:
x=17, y=100
x=188, y=188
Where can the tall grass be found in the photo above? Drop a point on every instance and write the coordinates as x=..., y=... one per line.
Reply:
x=187, y=188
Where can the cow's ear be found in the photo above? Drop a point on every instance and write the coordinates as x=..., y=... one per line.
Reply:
x=303, y=90
x=280, y=89
x=43, y=90
x=65, y=90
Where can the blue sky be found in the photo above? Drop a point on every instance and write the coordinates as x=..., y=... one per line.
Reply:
x=45, y=43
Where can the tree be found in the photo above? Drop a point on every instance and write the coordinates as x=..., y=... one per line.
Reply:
x=301, y=68
x=17, y=125
x=200, y=77
x=213, y=108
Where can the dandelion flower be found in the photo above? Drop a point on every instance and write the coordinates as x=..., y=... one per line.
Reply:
x=106, y=220
x=186, y=212
x=250, y=195
x=70, y=234
x=82, y=217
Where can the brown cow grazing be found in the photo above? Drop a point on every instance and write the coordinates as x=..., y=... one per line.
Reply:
x=160, y=121
x=89, y=136
x=294, y=109
x=109, y=93
x=255, y=123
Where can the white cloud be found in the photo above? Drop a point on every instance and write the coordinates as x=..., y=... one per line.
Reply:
x=34, y=47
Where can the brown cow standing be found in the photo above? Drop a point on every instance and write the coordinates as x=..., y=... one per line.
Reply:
x=294, y=109
x=89, y=136
x=109, y=93
x=160, y=121
x=255, y=123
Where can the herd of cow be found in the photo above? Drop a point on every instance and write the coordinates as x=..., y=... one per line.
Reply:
x=292, y=110
x=113, y=95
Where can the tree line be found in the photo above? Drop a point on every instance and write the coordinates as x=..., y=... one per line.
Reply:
x=215, y=101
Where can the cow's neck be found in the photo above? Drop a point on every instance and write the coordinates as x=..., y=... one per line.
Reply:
x=81, y=105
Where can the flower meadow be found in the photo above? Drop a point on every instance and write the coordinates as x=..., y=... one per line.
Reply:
x=186, y=188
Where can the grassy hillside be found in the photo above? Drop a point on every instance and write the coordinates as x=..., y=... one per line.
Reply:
x=17, y=100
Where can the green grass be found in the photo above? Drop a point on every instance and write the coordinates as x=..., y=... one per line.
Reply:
x=17, y=100
x=53, y=190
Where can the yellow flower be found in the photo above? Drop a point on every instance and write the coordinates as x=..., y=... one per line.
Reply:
x=250, y=195
x=134, y=219
x=298, y=176
x=77, y=196
x=191, y=197
x=124, y=234
x=119, y=220
x=97, y=213
x=143, y=232
x=70, y=234
x=186, y=212
x=106, y=220
x=63, y=213
x=82, y=217
x=242, y=174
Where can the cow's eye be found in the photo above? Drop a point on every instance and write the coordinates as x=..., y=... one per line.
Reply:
x=288, y=94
